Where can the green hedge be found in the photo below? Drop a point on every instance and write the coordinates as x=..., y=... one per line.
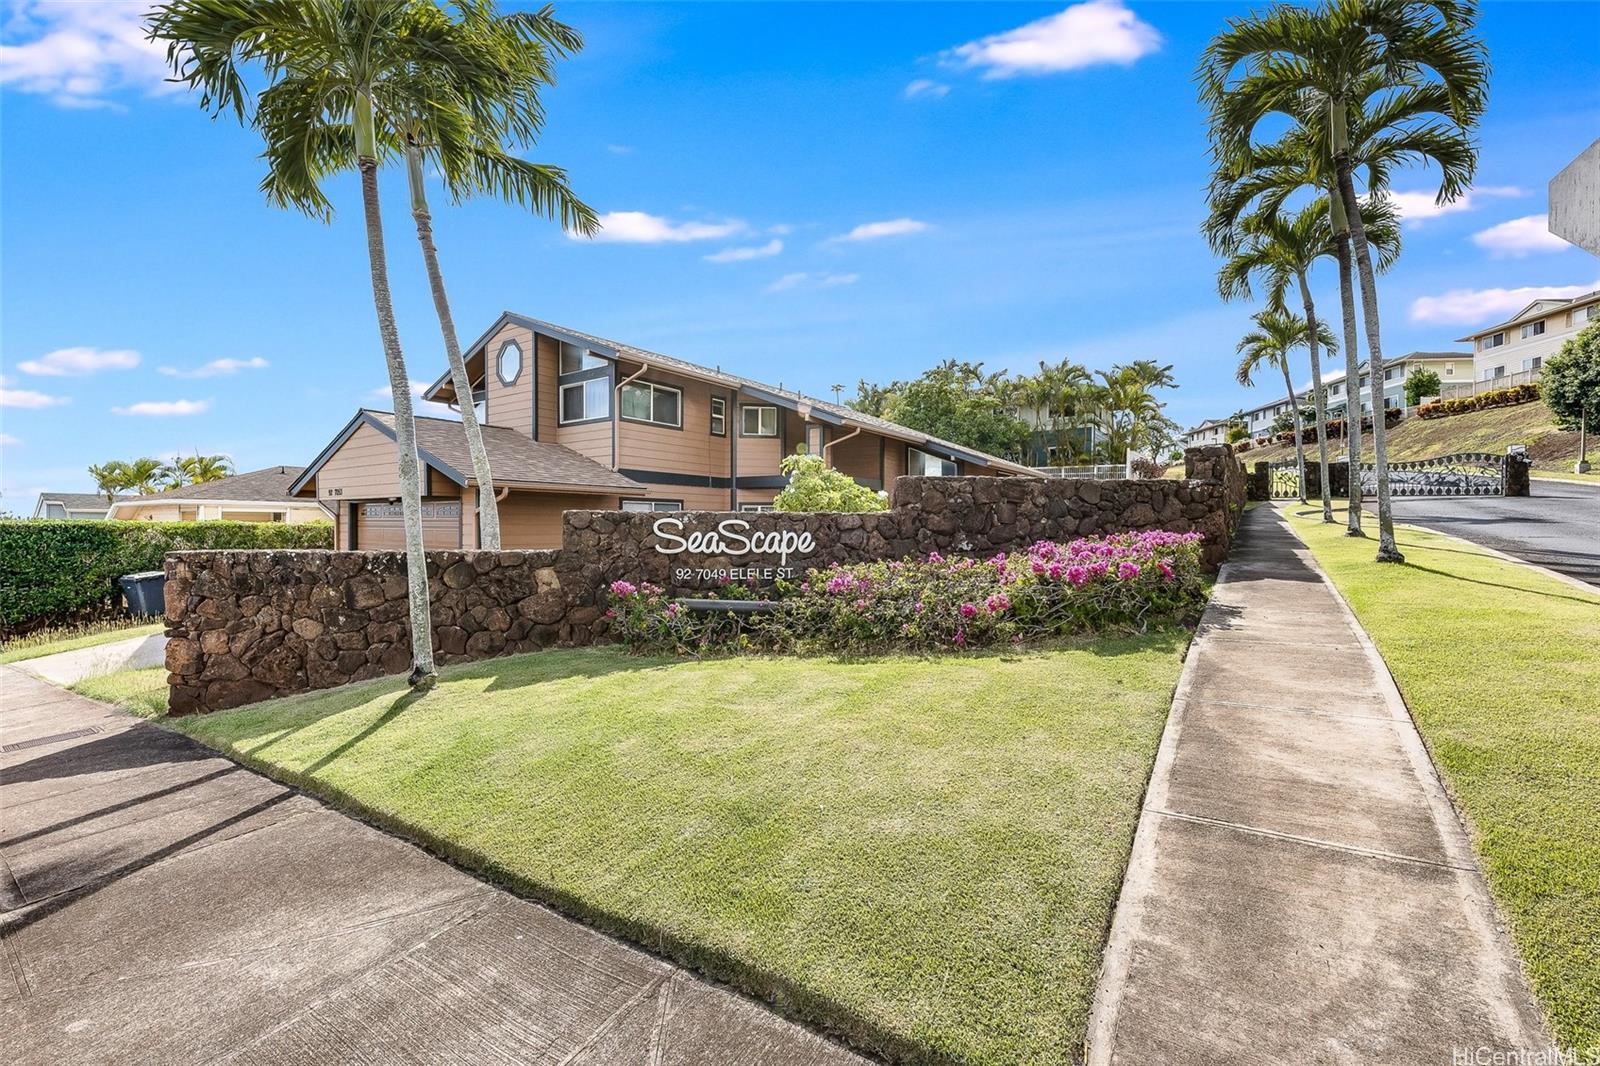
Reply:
x=1507, y=397
x=64, y=571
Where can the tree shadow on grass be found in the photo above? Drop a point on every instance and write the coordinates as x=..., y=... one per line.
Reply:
x=1498, y=585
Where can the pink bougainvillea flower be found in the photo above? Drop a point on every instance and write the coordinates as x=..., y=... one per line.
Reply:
x=997, y=603
x=969, y=610
x=1127, y=571
x=935, y=557
x=623, y=588
x=1166, y=570
x=1077, y=575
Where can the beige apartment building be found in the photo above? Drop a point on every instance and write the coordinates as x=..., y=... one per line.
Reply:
x=575, y=421
x=1513, y=352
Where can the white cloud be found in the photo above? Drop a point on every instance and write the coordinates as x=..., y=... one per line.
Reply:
x=620, y=149
x=164, y=408
x=925, y=88
x=1084, y=35
x=820, y=281
x=80, y=362
x=8, y=441
x=216, y=368
x=80, y=53
x=27, y=399
x=871, y=231
x=1520, y=237
x=1469, y=307
x=637, y=227
x=739, y=255
x=1418, y=207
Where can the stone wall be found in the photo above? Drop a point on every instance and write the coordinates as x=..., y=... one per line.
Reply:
x=245, y=626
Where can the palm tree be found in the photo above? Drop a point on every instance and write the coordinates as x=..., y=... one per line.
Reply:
x=339, y=72
x=200, y=469
x=1407, y=66
x=110, y=478
x=144, y=475
x=1281, y=250
x=462, y=127
x=1278, y=333
x=173, y=475
x=1129, y=414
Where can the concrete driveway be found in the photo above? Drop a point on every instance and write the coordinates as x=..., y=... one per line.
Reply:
x=1557, y=527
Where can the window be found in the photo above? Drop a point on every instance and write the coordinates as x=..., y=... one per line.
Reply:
x=576, y=359
x=814, y=435
x=1583, y=314
x=656, y=404
x=919, y=462
x=1533, y=329
x=719, y=417
x=1449, y=369
x=509, y=363
x=1492, y=372
x=1536, y=363
x=652, y=506
x=582, y=401
x=1493, y=340
x=758, y=421
x=755, y=508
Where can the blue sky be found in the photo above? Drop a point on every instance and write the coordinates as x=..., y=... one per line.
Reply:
x=801, y=193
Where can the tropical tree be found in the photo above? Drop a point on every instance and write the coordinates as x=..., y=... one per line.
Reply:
x=1280, y=250
x=1276, y=335
x=815, y=486
x=143, y=475
x=1421, y=382
x=1570, y=387
x=111, y=478
x=1062, y=394
x=463, y=129
x=203, y=468
x=1410, y=70
x=172, y=475
x=957, y=402
x=1130, y=416
x=339, y=74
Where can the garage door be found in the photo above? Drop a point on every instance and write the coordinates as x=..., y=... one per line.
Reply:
x=381, y=526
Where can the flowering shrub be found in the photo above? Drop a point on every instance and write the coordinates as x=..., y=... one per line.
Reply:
x=1128, y=581
x=1507, y=397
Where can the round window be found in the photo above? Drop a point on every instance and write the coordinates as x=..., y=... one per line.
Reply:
x=510, y=362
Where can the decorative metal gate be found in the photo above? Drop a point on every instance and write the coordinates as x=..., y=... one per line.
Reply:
x=1283, y=480
x=1461, y=474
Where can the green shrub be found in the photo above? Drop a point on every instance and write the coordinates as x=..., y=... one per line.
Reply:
x=1510, y=397
x=55, y=571
x=1419, y=383
x=815, y=486
x=1127, y=582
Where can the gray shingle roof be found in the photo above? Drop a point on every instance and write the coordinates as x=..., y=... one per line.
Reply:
x=514, y=457
x=80, y=501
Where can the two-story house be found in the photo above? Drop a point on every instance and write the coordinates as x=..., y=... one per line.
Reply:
x=573, y=421
x=1513, y=352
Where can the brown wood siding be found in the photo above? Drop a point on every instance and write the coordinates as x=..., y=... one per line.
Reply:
x=690, y=450
x=857, y=456
x=387, y=532
x=693, y=499
x=510, y=405
x=549, y=356
x=592, y=439
x=758, y=456
x=533, y=519
x=364, y=469
x=756, y=496
x=894, y=463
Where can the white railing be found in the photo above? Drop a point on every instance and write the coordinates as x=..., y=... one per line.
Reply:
x=1455, y=390
x=1098, y=472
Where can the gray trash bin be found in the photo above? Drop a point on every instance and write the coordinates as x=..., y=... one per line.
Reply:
x=145, y=593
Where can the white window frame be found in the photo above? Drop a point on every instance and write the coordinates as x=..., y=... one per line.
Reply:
x=943, y=462
x=755, y=508
x=1493, y=340
x=719, y=416
x=1533, y=329
x=604, y=391
x=652, y=388
x=760, y=409
x=649, y=506
x=499, y=361
x=588, y=359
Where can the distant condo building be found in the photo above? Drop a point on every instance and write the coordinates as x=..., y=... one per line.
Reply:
x=1513, y=352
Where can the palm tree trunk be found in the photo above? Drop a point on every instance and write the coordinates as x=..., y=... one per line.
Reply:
x=1299, y=444
x=1319, y=400
x=422, y=670
x=1352, y=378
x=1388, y=550
x=488, y=509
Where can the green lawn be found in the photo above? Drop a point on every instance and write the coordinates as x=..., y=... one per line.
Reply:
x=71, y=638
x=920, y=854
x=141, y=692
x=1500, y=666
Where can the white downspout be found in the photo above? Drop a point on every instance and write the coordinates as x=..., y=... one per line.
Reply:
x=616, y=411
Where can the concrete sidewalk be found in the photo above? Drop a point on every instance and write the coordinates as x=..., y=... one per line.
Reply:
x=70, y=667
x=1300, y=889
x=159, y=904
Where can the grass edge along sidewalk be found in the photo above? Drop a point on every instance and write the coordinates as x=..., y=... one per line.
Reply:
x=1498, y=664
x=919, y=854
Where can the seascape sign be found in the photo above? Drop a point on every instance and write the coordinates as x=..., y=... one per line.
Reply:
x=732, y=538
